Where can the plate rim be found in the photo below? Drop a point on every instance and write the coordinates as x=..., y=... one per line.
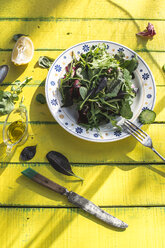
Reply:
x=79, y=44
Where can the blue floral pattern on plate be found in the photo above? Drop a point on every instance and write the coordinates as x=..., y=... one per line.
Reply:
x=79, y=130
x=52, y=83
x=149, y=96
x=68, y=119
x=58, y=68
x=144, y=108
x=54, y=102
x=85, y=48
x=145, y=76
x=121, y=49
x=117, y=133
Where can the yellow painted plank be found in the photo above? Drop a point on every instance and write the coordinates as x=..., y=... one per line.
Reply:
x=67, y=228
x=105, y=185
x=53, y=137
x=54, y=34
x=83, y=9
x=155, y=61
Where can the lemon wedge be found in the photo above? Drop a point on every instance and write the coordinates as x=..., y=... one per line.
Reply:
x=23, y=51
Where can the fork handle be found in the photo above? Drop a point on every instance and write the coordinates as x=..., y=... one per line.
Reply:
x=158, y=154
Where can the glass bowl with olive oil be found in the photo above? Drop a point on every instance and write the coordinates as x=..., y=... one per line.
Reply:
x=15, y=129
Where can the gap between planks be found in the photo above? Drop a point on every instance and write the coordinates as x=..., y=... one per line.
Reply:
x=64, y=19
x=63, y=49
x=73, y=207
x=79, y=164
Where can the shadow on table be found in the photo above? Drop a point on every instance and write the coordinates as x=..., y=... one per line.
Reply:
x=4, y=157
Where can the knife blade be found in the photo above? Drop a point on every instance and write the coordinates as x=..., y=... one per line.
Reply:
x=75, y=199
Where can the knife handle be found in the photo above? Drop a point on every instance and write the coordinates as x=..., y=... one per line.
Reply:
x=38, y=178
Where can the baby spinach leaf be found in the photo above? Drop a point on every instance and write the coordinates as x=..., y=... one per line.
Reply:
x=126, y=111
x=131, y=65
x=83, y=92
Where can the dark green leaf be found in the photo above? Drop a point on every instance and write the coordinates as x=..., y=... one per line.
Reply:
x=60, y=163
x=131, y=65
x=41, y=98
x=126, y=111
x=28, y=153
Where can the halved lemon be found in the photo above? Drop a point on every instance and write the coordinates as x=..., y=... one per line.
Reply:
x=23, y=51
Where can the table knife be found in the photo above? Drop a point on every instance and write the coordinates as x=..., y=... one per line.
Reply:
x=75, y=199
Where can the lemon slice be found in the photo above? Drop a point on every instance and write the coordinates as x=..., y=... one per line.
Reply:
x=23, y=51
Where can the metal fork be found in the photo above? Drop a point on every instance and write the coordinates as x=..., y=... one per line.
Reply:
x=141, y=136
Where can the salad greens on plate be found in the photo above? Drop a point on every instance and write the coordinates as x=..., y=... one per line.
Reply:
x=100, y=85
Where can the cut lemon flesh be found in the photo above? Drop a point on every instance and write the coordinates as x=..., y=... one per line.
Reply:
x=23, y=51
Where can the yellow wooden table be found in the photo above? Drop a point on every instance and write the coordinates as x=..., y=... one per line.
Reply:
x=124, y=178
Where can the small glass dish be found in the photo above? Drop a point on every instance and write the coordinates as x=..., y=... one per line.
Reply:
x=16, y=124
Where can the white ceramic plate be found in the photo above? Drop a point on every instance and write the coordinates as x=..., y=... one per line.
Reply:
x=67, y=117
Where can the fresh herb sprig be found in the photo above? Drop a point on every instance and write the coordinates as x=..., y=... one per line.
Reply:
x=9, y=98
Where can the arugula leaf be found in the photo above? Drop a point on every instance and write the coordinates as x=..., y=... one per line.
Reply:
x=114, y=88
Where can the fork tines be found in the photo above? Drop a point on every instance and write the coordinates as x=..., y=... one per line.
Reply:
x=135, y=131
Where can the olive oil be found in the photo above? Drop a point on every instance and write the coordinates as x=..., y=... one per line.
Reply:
x=15, y=131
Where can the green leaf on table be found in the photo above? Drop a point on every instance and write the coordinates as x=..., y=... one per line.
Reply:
x=45, y=62
x=41, y=98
